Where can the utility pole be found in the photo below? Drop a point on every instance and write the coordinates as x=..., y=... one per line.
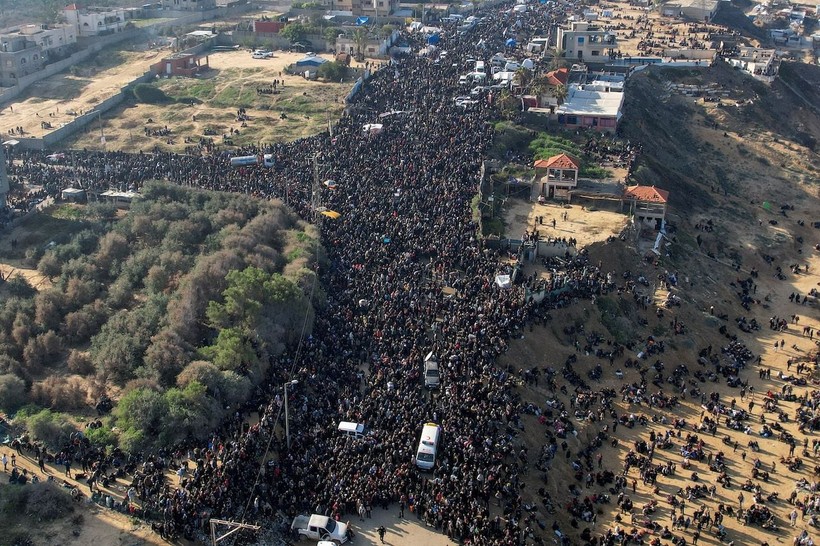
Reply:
x=235, y=526
x=102, y=134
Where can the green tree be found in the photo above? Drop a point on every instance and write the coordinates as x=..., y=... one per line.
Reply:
x=19, y=287
x=53, y=429
x=332, y=71
x=560, y=93
x=192, y=414
x=232, y=350
x=360, y=36
x=295, y=32
x=12, y=392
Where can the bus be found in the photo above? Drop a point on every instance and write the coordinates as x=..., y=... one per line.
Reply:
x=428, y=446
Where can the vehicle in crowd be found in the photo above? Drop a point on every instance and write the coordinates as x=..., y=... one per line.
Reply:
x=351, y=429
x=428, y=446
x=316, y=527
x=248, y=160
x=432, y=380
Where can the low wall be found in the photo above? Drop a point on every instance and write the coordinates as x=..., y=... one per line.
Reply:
x=51, y=139
x=11, y=93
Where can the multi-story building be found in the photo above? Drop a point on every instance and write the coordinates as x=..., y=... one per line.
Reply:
x=188, y=5
x=19, y=56
x=56, y=41
x=98, y=21
x=368, y=8
x=585, y=41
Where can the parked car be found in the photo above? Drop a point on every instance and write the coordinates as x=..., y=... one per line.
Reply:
x=432, y=380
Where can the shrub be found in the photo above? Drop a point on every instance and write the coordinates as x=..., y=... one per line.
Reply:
x=12, y=392
x=47, y=502
x=59, y=393
x=53, y=429
x=19, y=287
x=80, y=363
x=149, y=94
x=101, y=437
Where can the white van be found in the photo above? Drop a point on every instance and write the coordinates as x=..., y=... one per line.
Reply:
x=353, y=430
x=479, y=66
x=428, y=446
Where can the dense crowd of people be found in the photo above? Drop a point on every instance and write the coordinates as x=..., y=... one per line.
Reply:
x=404, y=232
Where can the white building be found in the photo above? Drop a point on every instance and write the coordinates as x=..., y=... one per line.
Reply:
x=696, y=10
x=52, y=41
x=595, y=106
x=98, y=21
x=754, y=60
x=585, y=41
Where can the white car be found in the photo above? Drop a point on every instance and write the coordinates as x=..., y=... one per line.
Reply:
x=259, y=54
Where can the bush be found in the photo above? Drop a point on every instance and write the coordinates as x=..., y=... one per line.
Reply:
x=47, y=502
x=18, y=286
x=53, y=429
x=101, y=437
x=80, y=363
x=59, y=393
x=149, y=94
x=12, y=392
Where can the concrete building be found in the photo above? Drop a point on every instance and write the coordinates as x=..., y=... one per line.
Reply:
x=555, y=176
x=646, y=202
x=595, y=106
x=696, y=10
x=582, y=40
x=181, y=64
x=56, y=41
x=188, y=5
x=754, y=60
x=19, y=56
x=368, y=8
x=98, y=21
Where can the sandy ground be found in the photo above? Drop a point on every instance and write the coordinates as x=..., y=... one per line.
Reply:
x=585, y=226
x=52, y=99
x=231, y=84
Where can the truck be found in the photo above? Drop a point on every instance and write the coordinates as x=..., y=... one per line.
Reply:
x=247, y=160
x=316, y=527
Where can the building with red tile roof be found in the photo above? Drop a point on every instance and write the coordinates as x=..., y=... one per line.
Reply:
x=555, y=176
x=646, y=202
x=558, y=77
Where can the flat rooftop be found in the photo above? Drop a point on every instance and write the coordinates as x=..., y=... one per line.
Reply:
x=585, y=102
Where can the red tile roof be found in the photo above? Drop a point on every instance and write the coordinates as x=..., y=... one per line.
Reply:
x=558, y=77
x=646, y=193
x=560, y=161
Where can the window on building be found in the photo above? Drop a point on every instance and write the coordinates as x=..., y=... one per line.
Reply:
x=572, y=120
x=580, y=40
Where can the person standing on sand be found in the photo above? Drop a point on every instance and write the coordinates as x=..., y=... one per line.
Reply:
x=5, y=461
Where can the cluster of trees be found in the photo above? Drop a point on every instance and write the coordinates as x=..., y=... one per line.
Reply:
x=180, y=305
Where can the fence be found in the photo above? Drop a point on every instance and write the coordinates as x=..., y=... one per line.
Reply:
x=11, y=93
x=80, y=122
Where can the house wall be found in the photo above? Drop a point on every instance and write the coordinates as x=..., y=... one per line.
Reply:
x=604, y=124
x=188, y=5
x=12, y=92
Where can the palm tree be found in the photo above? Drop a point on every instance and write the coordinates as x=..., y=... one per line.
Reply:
x=524, y=77
x=560, y=93
x=360, y=38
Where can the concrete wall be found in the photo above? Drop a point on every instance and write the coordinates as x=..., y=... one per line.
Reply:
x=51, y=139
x=11, y=93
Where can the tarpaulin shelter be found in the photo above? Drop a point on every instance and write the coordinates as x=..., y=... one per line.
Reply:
x=362, y=21
x=331, y=214
x=433, y=39
x=510, y=42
